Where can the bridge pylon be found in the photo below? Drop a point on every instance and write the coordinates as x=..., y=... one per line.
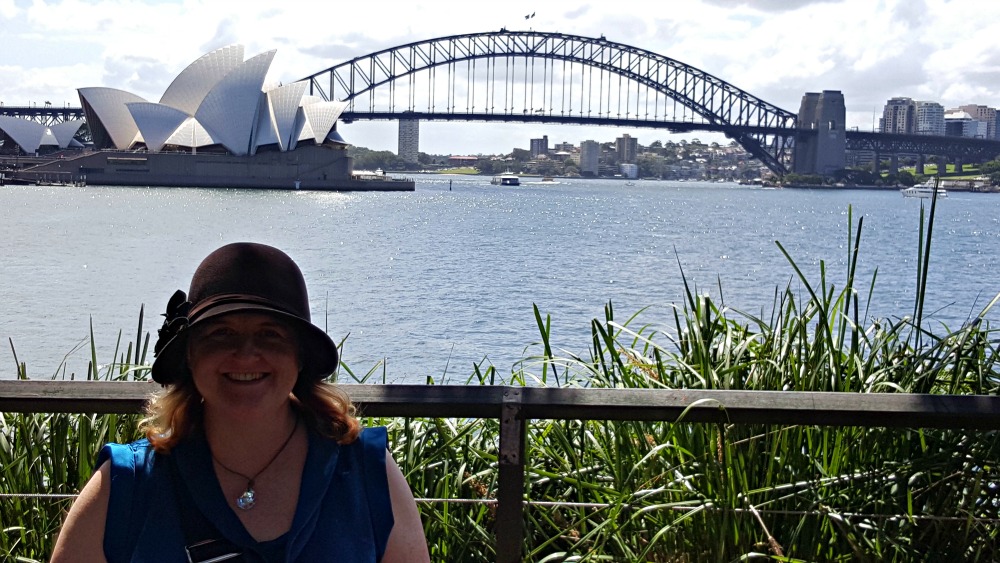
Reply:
x=821, y=143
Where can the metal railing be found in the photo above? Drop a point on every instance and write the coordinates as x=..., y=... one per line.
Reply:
x=515, y=406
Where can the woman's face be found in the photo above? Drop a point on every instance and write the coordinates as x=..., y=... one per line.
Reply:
x=244, y=364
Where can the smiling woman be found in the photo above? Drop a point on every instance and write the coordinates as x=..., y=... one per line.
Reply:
x=250, y=455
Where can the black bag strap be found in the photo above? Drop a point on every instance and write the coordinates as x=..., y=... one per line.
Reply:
x=202, y=540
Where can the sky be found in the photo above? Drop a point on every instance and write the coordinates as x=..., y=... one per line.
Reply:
x=871, y=50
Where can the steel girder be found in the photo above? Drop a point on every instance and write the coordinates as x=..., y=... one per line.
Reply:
x=956, y=147
x=722, y=106
x=47, y=116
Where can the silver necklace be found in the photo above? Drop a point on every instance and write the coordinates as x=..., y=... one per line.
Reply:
x=248, y=499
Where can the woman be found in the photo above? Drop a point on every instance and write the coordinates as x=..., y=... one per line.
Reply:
x=249, y=455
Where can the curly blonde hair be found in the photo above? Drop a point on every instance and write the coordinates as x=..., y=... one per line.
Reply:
x=177, y=412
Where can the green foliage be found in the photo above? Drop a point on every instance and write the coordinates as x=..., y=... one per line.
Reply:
x=53, y=455
x=803, y=179
x=906, y=178
x=367, y=159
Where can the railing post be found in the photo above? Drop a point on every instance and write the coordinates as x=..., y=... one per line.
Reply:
x=510, y=489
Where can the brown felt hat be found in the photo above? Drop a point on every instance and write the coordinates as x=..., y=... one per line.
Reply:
x=242, y=277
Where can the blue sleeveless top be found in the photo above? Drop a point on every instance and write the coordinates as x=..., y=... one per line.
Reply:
x=343, y=511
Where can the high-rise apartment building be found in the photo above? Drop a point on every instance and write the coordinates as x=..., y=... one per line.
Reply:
x=985, y=114
x=590, y=158
x=627, y=148
x=899, y=116
x=539, y=146
x=930, y=118
x=409, y=139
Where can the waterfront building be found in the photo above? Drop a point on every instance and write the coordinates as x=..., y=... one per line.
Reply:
x=409, y=140
x=218, y=124
x=930, y=118
x=219, y=103
x=899, y=116
x=627, y=148
x=987, y=115
x=590, y=158
x=540, y=146
x=629, y=170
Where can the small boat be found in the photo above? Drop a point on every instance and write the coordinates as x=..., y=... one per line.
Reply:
x=924, y=190
x=630, y=183
x=548, y=179
x=508, y=178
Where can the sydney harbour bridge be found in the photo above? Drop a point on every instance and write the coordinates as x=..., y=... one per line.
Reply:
x=533, y=76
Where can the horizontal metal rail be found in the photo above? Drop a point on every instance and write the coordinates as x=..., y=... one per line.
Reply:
x=514, y=406
x=476, y=401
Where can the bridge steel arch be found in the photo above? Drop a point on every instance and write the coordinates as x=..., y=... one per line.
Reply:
x=763, y=129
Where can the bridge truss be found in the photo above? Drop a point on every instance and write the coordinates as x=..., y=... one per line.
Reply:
x=47, y=115
x=531, y=76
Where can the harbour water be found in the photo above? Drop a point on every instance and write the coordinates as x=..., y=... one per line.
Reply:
x=433, y=281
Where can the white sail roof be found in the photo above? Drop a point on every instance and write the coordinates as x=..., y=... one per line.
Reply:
x=109, y=113
x=191, y=135
x=189, y=89
x=30, y=136
x=27, y=134
x=65, y=132
x=156, y=122
x=229, y=111
x=283, y=104
x=323, y=116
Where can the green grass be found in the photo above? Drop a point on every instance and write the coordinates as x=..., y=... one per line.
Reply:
x=461, y=170
x=668, y=491
x=969, y=171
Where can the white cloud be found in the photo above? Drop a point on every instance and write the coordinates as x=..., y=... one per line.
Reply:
x=775, y=49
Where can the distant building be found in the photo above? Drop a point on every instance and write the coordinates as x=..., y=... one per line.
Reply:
x=463, y=161
x=590, y=158
x=563, y=147
x=930, y=118
x=961, y=124
x=540, y=146
x=899, y=116
x=627, y=148
x=985, y=114
x=409, y=140
x=630, y=170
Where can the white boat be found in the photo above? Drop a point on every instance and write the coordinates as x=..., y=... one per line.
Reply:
x=923, y=190
x=508, y=178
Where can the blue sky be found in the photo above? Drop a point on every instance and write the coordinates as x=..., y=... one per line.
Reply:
x=776, y=49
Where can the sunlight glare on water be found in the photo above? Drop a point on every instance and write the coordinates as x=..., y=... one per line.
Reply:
x=436, y=280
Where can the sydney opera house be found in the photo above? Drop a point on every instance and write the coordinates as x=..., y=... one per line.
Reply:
x=217, y=124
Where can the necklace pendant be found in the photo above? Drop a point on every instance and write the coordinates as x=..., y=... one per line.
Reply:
x=247, y=499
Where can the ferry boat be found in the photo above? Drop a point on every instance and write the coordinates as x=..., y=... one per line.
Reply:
x=508, y=178
x=924, y=190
